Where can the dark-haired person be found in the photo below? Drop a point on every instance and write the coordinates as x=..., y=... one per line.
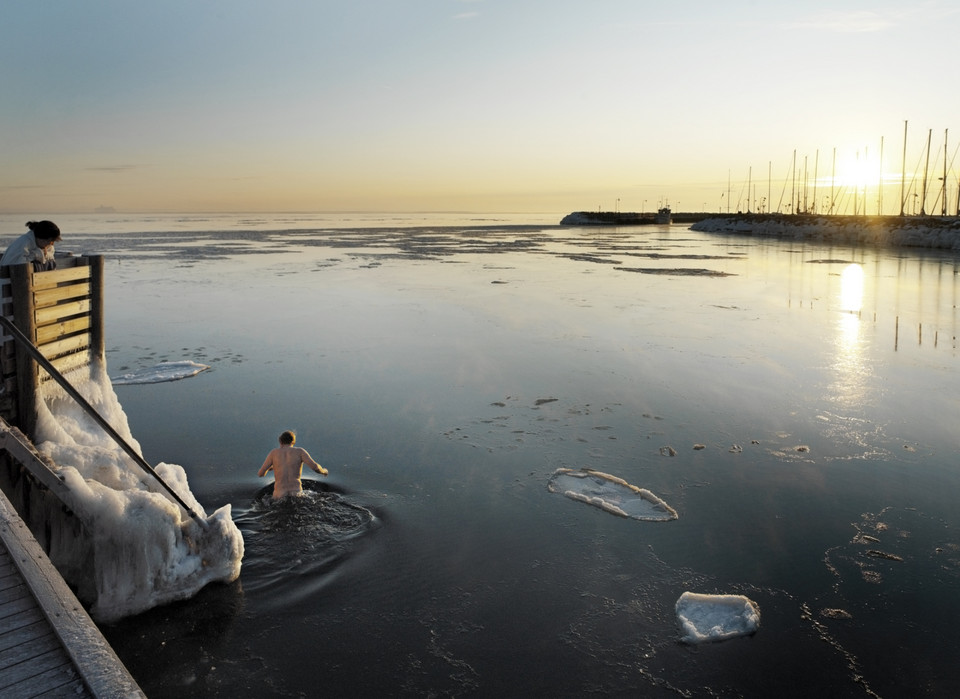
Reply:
x=286, y=462
x=34, y=246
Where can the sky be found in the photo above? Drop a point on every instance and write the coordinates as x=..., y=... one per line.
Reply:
x=474, y=105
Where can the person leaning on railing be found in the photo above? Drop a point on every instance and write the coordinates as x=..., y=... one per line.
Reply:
x=35, y=246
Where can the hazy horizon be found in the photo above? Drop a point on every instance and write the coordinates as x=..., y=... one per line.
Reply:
x=467, y=105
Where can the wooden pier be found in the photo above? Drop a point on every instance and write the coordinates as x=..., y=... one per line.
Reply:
x=49, y=646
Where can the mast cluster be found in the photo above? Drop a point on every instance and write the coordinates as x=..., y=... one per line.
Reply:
x=806, y=192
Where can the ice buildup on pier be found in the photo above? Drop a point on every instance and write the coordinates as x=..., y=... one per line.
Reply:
x=704, y=618
x=610, y=493
x=145, y=550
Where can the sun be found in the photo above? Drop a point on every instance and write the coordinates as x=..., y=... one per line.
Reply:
x=855, y=181
x=856, y=170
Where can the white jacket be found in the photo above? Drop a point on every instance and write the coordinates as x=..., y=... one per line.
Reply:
x=25, y=249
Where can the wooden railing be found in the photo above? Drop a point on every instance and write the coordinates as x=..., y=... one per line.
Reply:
x=61, y=313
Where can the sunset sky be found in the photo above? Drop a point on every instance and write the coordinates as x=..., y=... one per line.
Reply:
x=464, y=105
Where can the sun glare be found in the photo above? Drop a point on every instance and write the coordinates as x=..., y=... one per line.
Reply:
x=851, y=288
x=855, y=182
x=856, y=172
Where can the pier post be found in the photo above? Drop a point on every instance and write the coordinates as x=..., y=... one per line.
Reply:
x=97, y=340
x=21, y=281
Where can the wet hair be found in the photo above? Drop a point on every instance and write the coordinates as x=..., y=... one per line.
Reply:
x=44, y=230
x=288, y=438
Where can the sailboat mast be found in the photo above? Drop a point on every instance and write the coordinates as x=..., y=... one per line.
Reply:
x=943, y=209
x=880, y=184
x=816, y=169
x=805, y=210
x=793, y=185
x=769, y=181
x=926, y=169
x=866, y=159
x=903, y=177
x=856, y=188
x=833, y=178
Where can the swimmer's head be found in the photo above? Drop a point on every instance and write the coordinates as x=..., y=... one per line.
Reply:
x=288, y=438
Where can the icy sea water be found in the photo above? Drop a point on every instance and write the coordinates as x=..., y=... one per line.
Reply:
x=795, y=404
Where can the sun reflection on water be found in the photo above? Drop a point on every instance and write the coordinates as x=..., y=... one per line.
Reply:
x=851, y=288
x=850, y=371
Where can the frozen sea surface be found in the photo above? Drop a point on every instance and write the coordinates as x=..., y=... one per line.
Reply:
x=793, y=402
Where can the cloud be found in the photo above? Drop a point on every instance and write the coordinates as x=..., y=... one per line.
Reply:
x=468, y=15
x=868, y=21
x=855, y=22
x=112, y=168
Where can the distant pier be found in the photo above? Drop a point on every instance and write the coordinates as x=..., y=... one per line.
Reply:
x=628, y=218
x=932, y=232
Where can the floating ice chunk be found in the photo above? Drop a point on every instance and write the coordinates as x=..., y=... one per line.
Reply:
x=610, y=493
x=164, y=371
x=704, y=618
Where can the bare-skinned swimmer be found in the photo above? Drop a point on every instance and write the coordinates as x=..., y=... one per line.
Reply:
x=286, y=462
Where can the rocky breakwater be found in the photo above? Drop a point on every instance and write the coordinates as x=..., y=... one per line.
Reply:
x=941, y=233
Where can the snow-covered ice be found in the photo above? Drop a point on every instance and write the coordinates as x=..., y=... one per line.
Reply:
x=704, y=618
x=610, y=493
x=164, y=371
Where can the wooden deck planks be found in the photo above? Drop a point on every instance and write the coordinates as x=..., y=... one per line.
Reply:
x=28, y=628
x=49, y=646
x=42, y=675
x=33, y=661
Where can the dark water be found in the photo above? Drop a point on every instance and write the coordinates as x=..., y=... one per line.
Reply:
x=444, y=374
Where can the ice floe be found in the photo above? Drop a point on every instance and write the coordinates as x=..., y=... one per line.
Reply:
x=705, y=618
x=164, y=371
x=610, y=493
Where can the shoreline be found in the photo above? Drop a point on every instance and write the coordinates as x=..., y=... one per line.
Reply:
x=930, y=232
x=936, y=233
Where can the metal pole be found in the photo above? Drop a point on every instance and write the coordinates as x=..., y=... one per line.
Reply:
x=91, y=411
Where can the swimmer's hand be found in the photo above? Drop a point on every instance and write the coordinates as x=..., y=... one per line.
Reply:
x=322, y=471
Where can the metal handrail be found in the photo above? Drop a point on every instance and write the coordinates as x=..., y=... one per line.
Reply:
x=92, y=412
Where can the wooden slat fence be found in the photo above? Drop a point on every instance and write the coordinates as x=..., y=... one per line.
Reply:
x=61, y=311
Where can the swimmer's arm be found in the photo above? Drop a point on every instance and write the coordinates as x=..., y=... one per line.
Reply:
x=305, y=458
x=267, y=465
